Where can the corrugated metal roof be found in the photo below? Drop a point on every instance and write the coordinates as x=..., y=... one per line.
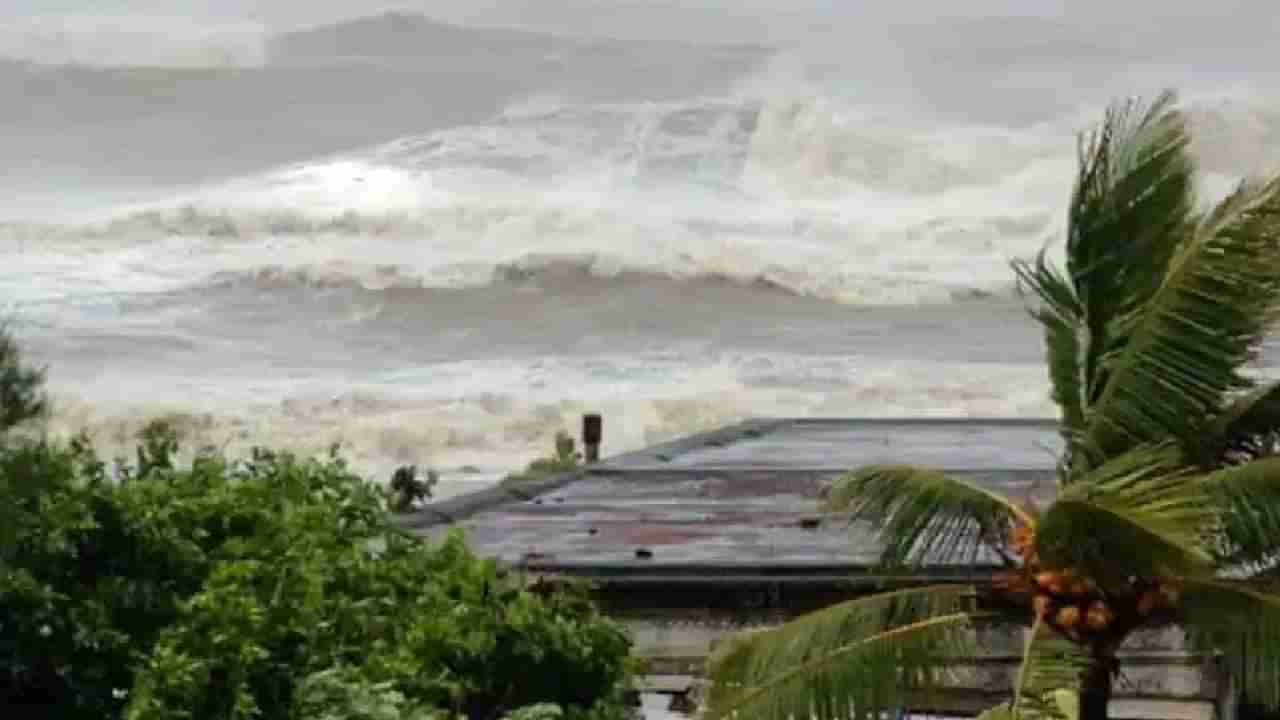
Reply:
x=745, y=497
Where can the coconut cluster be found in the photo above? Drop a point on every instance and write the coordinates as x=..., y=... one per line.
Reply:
x=1075, y=605
x=1070, y=604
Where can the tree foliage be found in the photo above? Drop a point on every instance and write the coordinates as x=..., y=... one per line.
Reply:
x=1169, y=482
x=564, y=459
x=21, y=385
x=273, y=587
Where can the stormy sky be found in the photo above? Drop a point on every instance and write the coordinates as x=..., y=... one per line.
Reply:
x=987, y=55
x=1002, y=62
x=1175, y=23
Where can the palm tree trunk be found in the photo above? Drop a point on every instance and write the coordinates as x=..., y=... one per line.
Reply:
x=1095, y=691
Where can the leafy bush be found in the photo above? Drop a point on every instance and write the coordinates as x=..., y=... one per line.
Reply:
x=343, y=694
x=21, y=398
x=565, y=459
x=407, y=489
x=274, y=587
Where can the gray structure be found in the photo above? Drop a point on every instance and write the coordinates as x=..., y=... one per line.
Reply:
x=722, y=531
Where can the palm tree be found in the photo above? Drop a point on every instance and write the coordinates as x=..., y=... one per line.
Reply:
x=1166, y=509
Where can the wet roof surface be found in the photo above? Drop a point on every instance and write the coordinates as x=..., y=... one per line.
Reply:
x=841, y=445
x=746, y=496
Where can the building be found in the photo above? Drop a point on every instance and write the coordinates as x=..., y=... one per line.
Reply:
x=722, y=531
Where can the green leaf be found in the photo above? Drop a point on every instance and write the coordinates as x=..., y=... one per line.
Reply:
x=1246, y=422
x=543, y=711
x=926, y=516
x=22, y=395
x=855, y=659
x=1248, y=501
x=1062, y=316
x=1066, y=706
x=1133, y=197
x=1241, y=623
x=1048, y=684
x=1184, y=347
x=1143, y=513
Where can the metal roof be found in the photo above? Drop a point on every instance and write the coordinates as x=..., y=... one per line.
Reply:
x=739, y=501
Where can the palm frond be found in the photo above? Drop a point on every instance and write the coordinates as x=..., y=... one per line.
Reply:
x=856, y=659
x=1143, y=513
x=1241, y=623
x=1248, y=425
x=1186, y=344
x=1048, y=683
x=1068, y=708
x=1247, y=498
x=1062, y=316
x=926, y=516
x=1050, y=664
x=1133, y=197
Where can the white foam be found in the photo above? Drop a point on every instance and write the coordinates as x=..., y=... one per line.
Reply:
x=478, y=420
x=825, y=198
x=844, y=211
x=817, y=195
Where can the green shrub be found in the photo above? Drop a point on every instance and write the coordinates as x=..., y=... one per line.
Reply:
x=342, y=693
x=565, y=459
x=21, y=395
x=266, y=588
x=406, y=488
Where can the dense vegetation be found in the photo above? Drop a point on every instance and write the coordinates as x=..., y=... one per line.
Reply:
x=273, y=587
x=1167, y=503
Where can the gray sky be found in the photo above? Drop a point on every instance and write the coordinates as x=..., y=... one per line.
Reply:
x=1223, y=33
x=719, y=20
x=1042, y=51
x=1214, y=32
x=1005, y=61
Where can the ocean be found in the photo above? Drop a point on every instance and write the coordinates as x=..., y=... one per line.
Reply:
x=443, y=260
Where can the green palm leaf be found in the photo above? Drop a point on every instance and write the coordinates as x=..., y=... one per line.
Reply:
x=1248, y=499
x=1241, y=623
x=1186, y=344
x=1132, y=201
x=926, y=516
x=1062, y=316
x=1141, y=514
x=1048, y=682
x=1050, y=664
x=1246, y=424
x=856, y=659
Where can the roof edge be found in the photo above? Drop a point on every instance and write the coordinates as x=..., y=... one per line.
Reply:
x=652, y=459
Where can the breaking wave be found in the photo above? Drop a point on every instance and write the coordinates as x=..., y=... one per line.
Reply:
x=454, y=297
x=475, y=421
x=788, y=193
x=817, y=198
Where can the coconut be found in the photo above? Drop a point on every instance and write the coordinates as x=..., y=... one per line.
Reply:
x=1054, y=582
x=1068, y=617
x=1098, y=616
